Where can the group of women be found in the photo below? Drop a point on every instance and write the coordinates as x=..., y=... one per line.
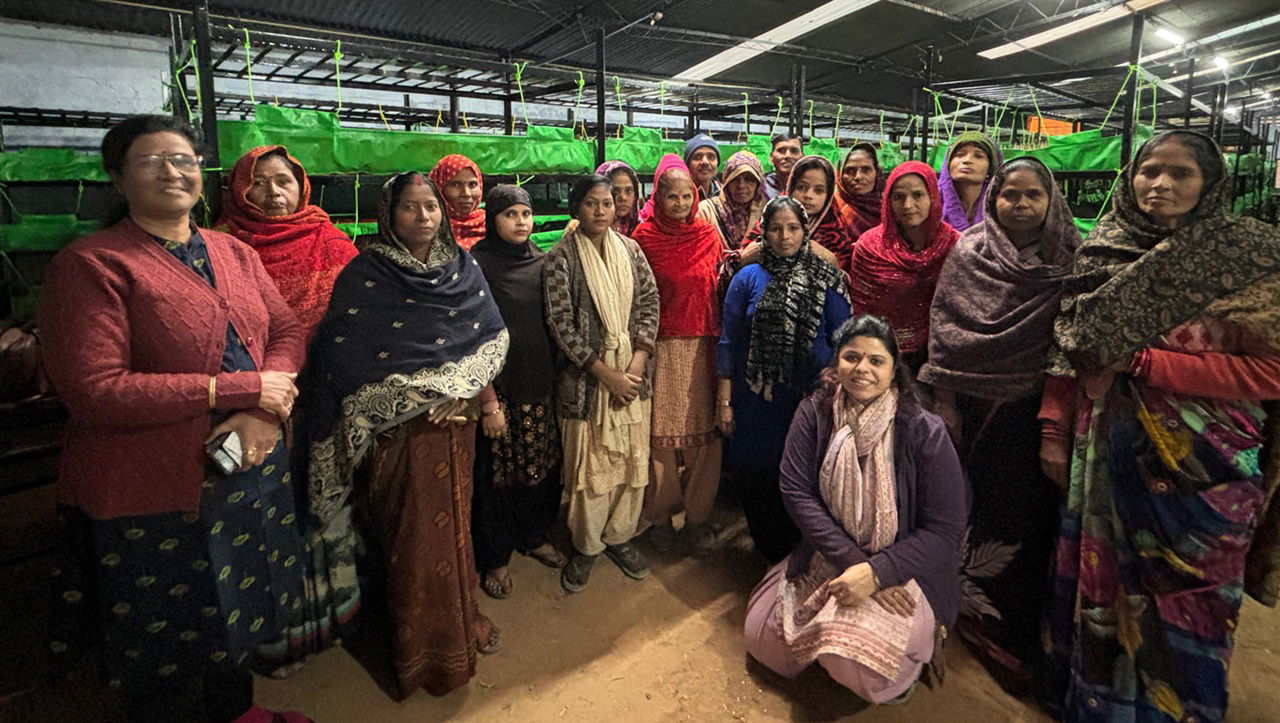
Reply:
x=917, y=390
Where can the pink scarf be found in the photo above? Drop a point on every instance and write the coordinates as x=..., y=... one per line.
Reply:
x=857, y=483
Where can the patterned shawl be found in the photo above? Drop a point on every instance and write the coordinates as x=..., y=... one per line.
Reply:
x=952, y=209
x=860, y=212
x=468, y=228
x=991, y=325
x=892, y=280
x=624, y=224
x=1134, y=280
x=787, y=318
x=302, y=251
x=736, y=219
x=401, y=337
x=684, y=254
x=825, y=226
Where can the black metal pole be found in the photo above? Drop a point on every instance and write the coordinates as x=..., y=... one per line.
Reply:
x=208, y=108
x=1187, y=92
x=508, y=118
x=602, y=132
x=928, y=107
x=800, y=113
x=178, y=92
x=1131, y=92
x=408, y=116
x=693, y=115
x=794, y=92
x=1222, y=113
x=454, y=120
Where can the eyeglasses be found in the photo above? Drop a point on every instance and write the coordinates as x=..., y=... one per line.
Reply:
x=182, y=162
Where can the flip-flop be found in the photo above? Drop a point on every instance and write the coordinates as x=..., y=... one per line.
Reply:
x=495, y=588
x=555, y=561
x=493, y=643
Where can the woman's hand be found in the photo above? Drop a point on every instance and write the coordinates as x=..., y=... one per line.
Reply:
x=853, y=585
x=945, y=407
x=278, y=393
x=494, y=424
x=452, y=411
x=824, y=253
x=724, y=420
x=257, y=436
x=896, y=600
x=1055, y=461
x=750, y=254
x=624, y=386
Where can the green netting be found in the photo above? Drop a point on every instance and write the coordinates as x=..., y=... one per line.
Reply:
x=1083, y=151
x=50, y=164
x=43, y=232
x=357, y=229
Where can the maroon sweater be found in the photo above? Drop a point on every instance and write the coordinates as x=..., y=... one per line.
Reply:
x=130, y=338
x=932, y=504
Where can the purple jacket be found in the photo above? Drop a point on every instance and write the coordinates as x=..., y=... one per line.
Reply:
x=932, y=504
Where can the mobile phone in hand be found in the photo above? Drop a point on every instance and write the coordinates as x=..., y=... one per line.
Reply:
x=225, y=452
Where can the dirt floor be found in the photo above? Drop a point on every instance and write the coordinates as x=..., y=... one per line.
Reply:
x=668, y=648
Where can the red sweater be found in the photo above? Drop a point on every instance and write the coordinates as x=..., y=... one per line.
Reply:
x=130, y=338
x=1215, y=375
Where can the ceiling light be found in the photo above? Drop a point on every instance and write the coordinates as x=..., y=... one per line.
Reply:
x=818, y=17
x=1169, y=35
x=1222, y=63
x=1069, y=28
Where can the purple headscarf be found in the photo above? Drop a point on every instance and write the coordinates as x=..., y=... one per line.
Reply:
x=624, y=224
x=952, y=208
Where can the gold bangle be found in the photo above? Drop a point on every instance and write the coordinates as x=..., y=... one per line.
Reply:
x=213, y=392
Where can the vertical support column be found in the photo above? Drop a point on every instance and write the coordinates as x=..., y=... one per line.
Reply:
x=691, y=126
x=792, y=125
x=1186, y=92
x=602, y=132
x=408, y=116
x=208, y=108
x=454, y=120
x=508, y=118
x=928, y=107
x=800, y=103
x=1222, y=112
x=177, y=45
x=1130, y=119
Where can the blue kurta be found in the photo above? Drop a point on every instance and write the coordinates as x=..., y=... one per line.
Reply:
x=762, y=426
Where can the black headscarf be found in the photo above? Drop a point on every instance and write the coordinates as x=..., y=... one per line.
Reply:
x=514, y=273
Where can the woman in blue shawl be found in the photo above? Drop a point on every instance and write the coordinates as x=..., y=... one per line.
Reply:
x=397, y=375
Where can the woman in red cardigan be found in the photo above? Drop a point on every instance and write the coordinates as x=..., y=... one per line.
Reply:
x=160, y=337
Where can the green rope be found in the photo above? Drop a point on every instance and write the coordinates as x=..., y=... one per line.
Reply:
x=199, y=98
x=79, y=196
x=383, y=116
x=1120, y=92
x=811, y=118
x=1040, y=132
x=746, y=115
x=248, y=66
x=777, y=118
x=524, y=110
x=337, y=64
x=520, y=182
x=836, y=133
x=883, y=137
x=357, y=195
x=12, y=207
x=577, y=103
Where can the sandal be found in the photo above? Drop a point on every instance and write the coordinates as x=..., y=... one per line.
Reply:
x=554, y=559
x=492, y=641
x=495, y=588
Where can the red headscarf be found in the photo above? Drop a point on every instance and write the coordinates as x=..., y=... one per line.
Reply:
x=894, y=281
x=859, y=212
x=684, y=254
x=825, y=226
x=468, y=228
x=303, y=251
